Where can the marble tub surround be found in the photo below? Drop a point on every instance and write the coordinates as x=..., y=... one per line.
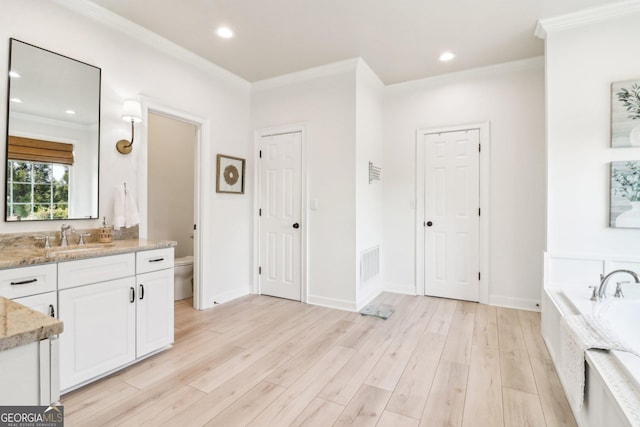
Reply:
x=20, y=256
x=20, y=325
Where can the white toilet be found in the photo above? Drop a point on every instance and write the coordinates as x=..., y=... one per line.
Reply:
x=183, y=278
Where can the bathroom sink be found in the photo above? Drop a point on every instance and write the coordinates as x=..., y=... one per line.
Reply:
x=70, y=250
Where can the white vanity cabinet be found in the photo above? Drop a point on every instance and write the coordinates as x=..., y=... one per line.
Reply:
x=112, y=315
x=34, y=286
x=29, y=374
x=95, y=301
x=31, y=371
x=46, y=303
x=24, y=282
x=154, y=305
x=99, y=321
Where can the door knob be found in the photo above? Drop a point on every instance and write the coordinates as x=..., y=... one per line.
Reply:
x=296, y=225
x=429, y=223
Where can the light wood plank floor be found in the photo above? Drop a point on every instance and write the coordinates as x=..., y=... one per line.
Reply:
x=262, y=361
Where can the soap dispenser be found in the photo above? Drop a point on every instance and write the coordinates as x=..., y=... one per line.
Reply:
x=105, y=234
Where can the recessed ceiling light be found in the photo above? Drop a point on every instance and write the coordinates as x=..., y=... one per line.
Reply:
x=14, y=74
x=224, y=32
x=70, y=112
x=16, y=100
x=446, y=56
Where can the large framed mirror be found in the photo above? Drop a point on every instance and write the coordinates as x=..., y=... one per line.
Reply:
x=53, y=136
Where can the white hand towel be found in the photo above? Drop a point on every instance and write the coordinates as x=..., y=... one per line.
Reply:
x=131, y=215
x=580, y=333
x=119, y=207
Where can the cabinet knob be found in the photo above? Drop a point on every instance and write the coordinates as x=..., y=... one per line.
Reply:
x=141, y=291
x=132, y=295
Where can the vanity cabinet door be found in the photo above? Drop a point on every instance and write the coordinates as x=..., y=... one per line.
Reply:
x=46, y=303
x=154, y=311
x=99, y=329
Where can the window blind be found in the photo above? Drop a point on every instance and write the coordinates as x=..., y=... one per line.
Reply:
x=37, y=150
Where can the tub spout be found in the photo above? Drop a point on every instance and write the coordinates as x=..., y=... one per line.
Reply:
x=602, y=289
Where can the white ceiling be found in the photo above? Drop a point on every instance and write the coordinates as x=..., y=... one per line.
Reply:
x=399, y=39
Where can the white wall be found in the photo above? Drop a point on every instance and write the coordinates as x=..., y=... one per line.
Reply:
x=143, y=64
x=582, y=62
x=341, y=112
x=369, y=125
x=511, y=98
x=324, y=100
x=171, y=153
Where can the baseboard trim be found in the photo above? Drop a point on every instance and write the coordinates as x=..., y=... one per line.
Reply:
x=517, y=303
x=332, y=303
x=368, y=298
x=407, y=289
x=228, y=296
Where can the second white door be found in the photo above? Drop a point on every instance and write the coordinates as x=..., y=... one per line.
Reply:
x=452, y=214
x=280, y=198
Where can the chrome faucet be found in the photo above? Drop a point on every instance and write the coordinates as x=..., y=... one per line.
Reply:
x=63, y=235
x=602, y=289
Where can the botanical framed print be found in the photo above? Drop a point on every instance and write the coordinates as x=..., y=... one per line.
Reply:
x=230, y=174
x=625, y=114
x=625, y=194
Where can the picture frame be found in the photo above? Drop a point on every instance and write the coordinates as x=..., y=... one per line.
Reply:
x=230, y=174
x=625, y=113
x=624, y=207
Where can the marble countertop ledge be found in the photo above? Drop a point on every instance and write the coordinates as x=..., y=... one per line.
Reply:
x=20, y=325
x=25, y=256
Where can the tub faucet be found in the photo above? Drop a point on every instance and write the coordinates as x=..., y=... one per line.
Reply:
x=605, y=279
x=619, y=293
x=63, y=235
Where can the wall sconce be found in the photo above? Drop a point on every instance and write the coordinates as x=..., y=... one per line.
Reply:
x=131, y=111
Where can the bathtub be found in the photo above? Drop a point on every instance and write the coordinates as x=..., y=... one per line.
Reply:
x=624, y=317
x=612, y=393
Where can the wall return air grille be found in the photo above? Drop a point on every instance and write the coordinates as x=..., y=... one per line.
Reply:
x=369, y=264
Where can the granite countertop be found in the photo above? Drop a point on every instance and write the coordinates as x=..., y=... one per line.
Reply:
x=22, y=256
x=20, y=325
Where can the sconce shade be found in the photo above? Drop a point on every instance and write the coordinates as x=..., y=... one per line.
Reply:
x=132, y=111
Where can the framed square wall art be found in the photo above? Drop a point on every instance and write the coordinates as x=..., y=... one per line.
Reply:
x=625, y=114
x=625, y=194
x=230, y=174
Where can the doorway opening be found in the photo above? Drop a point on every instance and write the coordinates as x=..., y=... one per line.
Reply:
x=170, y=183
x=170, y=197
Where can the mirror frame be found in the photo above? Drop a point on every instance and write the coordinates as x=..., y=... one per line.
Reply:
x=99, y=122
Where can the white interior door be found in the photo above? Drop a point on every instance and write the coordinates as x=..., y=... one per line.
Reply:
x=280, y=207
x=452, y=214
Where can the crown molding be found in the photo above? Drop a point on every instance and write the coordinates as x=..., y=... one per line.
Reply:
x=536, y=62
x=331, y=69
x=148, y=37
x=546, y=26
